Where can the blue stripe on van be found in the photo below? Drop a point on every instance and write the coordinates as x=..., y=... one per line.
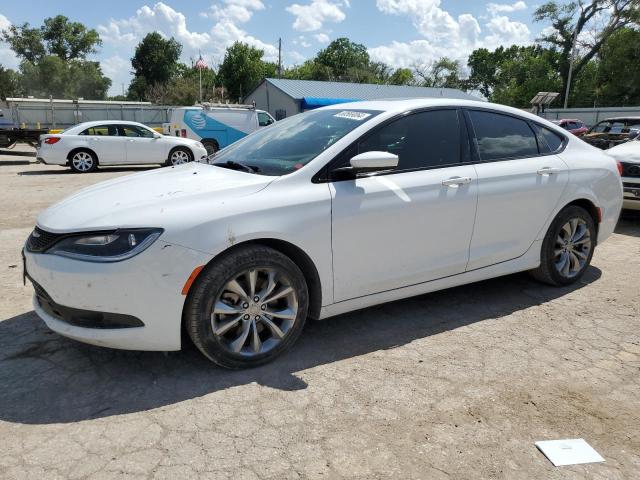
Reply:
x=206, y=127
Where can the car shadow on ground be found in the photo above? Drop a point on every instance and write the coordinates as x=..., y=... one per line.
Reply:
x=629, y=223
x=67, y=171
x=47, y=378
x=17, y=153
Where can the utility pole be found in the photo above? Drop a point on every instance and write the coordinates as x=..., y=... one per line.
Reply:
x=571, y=57
x=279, y=57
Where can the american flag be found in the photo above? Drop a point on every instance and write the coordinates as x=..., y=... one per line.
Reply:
x=200, y=64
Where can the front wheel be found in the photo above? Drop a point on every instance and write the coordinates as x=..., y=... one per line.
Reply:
x=247, y=308
x=567, y=248
x=179, y=155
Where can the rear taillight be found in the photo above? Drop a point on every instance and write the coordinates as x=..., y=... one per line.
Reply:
x=620, y=168
x=184, y=133
x=52, y=140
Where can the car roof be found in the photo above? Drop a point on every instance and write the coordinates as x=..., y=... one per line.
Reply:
x=403, y=105
x=620, y=119
x=96, y=123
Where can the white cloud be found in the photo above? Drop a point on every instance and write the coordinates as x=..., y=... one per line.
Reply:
x=227, y=16
x=505, y=32
x=312, y=16
x=8, y=58
x=443, y=35
x=118, y=69
x=495, y=8
x=321, y=37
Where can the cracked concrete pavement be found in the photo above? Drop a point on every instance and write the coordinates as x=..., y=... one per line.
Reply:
x=455, y=384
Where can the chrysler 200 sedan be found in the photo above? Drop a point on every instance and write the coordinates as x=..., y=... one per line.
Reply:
x=323, y=213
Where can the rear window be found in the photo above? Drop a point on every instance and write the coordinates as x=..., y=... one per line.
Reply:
x=502, y=136
x=548, y=140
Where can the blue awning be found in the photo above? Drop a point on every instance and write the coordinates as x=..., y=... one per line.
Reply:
x=309, y=103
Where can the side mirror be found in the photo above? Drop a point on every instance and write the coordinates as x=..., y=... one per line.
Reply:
x=633, y=133
x=372, y=161
x=157, y=135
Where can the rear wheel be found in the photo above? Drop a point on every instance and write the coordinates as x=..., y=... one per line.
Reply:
x=83, y=161
x=567, y=248
x=210, y=146
x=247, y=308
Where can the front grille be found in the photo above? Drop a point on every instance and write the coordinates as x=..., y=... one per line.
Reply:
x=39, y=240
x=630, y=169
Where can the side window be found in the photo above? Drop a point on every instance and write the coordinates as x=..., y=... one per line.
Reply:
x=548, y=140
x=425, y=139
x=135, y=131
x=501, y=136
x=264, y=119
x=101, y=130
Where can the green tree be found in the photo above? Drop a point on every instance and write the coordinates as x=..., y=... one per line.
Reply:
x=57, y=36
x=75, y=79
x=444, y=73
x=578, y=17
x=242, y=69
x=344, y=60
x=523, y=73
x=402, y=76
x=10, y=83
x=155, y=62
x=618, y=73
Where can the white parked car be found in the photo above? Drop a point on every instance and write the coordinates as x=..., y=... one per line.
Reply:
x=323, y=213
x=628, y=154
x=85, y=146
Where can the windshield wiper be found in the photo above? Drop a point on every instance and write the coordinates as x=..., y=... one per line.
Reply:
x=238, y=166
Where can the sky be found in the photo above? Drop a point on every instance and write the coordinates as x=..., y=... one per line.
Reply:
x=401, y=33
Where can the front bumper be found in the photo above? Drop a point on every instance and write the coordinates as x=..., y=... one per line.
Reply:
x=631, y=199
x=146, y=287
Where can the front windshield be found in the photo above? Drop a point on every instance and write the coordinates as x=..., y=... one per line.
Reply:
x=290, y=144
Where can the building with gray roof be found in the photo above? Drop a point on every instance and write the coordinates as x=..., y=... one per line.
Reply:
x=283, y=98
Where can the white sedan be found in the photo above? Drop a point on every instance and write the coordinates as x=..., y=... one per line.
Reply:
x=628, y=154
x=85, y=146
x=323, y=213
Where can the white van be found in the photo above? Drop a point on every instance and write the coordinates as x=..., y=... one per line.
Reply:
x=216, y=125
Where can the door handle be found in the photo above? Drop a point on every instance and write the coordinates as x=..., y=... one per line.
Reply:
x=455, y=182
x=548, y=171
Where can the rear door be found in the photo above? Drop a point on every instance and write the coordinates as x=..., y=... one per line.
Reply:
x=520, y=181
x=106, y=143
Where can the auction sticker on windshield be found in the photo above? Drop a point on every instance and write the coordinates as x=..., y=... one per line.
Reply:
x=357, y=116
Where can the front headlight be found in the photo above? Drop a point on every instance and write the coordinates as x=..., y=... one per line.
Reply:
x=106, y=246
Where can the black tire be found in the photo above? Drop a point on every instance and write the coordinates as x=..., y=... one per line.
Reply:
x=83, y=167
x=182, y=151
x=548, y=272
x=211, y=146
x=211, y=283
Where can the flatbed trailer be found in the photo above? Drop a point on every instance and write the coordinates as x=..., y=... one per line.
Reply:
x=9, y=136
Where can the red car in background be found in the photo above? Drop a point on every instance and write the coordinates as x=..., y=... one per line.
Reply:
x=573, y=125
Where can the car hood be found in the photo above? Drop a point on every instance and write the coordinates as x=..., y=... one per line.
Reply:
x=626, y=152
x=160, y=198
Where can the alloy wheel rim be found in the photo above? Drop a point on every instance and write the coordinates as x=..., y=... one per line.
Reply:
x=572, y=248
x=178, y=157
x=254, y=311
x=82, y=161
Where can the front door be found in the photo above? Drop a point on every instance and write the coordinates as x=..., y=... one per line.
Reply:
x=409, y=226
x=142, y=146
x=520, y=182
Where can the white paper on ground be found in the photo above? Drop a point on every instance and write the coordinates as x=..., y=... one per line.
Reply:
x=568, y=452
